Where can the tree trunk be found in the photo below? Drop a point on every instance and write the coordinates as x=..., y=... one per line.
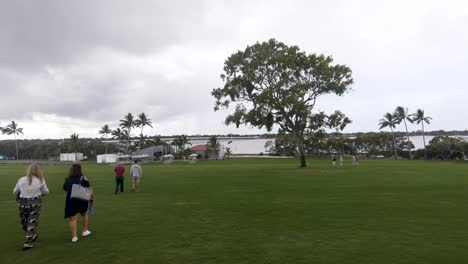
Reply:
x=302, y=156
x=300, y=146
x=424, y=141
x=407, y=137
x=141, y=137
x=128, y=142
x=17, y=152
x=106, y=144
x=394, y=143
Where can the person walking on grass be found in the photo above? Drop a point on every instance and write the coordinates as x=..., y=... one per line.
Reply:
x=341, y=161
x=29, y=190
x=75, y=206
x=135, y=174
x=119, y=178
x=334, y=161
x=355, y=160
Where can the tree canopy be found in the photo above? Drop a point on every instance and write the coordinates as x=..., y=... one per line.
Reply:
x=271, y=83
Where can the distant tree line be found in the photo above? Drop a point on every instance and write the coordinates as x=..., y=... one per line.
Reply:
x=51, y=148
x=366, y=144
x=370, y=145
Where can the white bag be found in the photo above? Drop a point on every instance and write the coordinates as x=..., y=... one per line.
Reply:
x=81, y=193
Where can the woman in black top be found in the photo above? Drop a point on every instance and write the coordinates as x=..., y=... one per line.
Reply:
x=74, y=206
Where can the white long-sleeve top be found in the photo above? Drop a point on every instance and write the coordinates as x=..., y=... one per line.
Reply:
x=30, y=191
x=135, y=171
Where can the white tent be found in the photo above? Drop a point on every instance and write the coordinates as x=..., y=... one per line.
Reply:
x=167, y=157
x=71, y=156
x=106, y=158
x=142, y=156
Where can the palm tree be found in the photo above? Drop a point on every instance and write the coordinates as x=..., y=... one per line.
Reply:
x=391, y=121
x=401, y=113
x=142, y=121
x=105, y=130
x=13, y=129
x=119, y=134
x=128, y=123
x=214, y=145
x=180, y=142
x=420, y=118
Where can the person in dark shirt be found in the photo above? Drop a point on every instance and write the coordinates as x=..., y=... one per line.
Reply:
x=119, y=177
x=75, y=206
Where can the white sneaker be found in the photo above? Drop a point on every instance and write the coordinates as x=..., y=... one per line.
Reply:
x=74, y=239
x=86, y=233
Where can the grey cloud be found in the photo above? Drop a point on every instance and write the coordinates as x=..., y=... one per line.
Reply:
x=91, y=62
x=56, y=32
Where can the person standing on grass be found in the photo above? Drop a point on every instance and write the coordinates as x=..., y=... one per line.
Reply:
x=75, y=206
x=334, y=161
x=341, y=161
x=135, y=173
x=119, y=177
x=29, y=190
x=355, y=160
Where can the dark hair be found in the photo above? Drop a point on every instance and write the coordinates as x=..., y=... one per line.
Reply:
x=75, y=171
x=135, y=161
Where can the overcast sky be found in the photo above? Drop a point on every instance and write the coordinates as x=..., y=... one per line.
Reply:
x=71, y=66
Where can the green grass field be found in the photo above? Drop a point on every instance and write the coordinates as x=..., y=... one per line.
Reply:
x=255, y=211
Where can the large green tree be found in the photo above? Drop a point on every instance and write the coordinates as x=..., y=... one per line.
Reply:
x=446, y=147
x=271, y=83
x=420, y=118
x=13, y=129
x=390, y=120
x=75, y=142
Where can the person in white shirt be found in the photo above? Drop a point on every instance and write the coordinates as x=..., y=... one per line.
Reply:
x=135, y=174
x=29, y=190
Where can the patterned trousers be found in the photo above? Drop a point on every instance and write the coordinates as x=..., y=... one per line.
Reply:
x=30, y=210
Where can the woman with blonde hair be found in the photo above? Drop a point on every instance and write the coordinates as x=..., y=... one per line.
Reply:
x=29, y=190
